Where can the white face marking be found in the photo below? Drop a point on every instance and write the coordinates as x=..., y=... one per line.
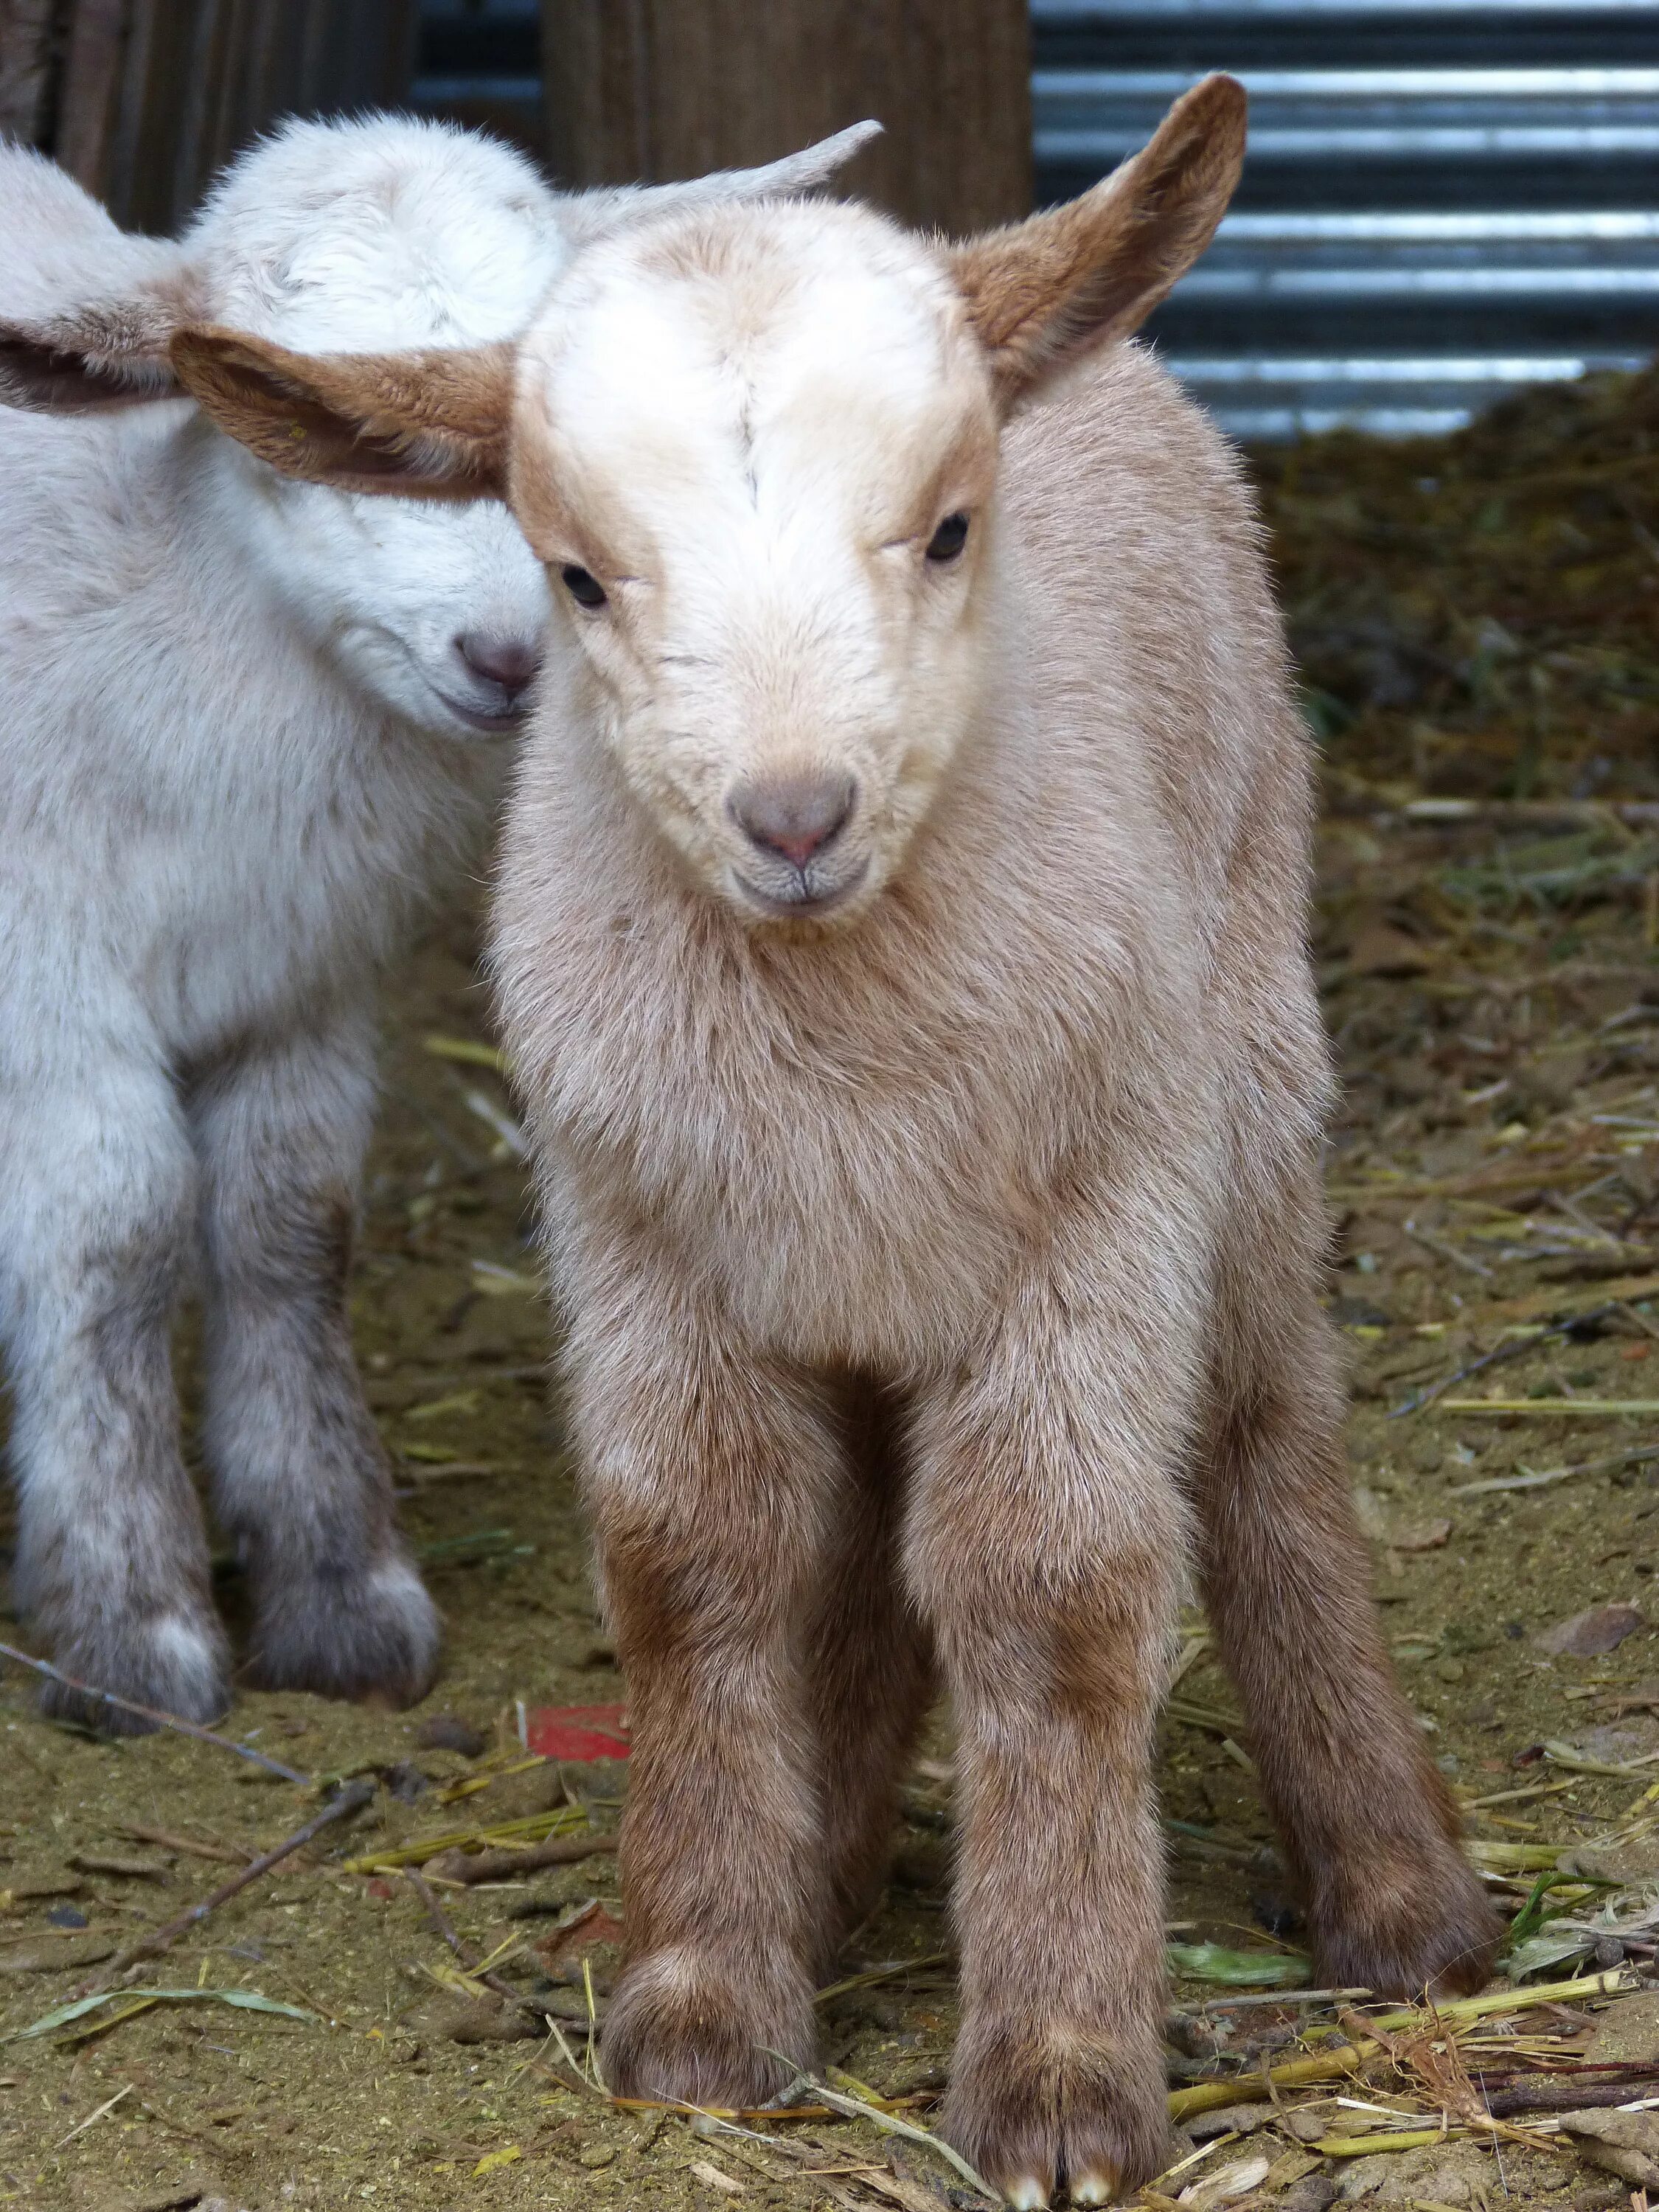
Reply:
x=369, y=237
x=749, y=433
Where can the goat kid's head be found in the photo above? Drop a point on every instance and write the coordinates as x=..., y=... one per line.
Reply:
x=755, y=448
x=336, y=237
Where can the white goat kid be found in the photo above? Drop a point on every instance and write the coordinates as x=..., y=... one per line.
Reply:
x=246, y=737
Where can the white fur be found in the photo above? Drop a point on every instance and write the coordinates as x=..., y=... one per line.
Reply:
x=758, y=504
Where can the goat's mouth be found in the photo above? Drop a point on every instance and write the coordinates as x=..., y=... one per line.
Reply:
x=494, y=721
x=804, y=902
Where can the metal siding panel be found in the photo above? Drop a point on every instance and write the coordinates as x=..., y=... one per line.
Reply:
x=1418, y=229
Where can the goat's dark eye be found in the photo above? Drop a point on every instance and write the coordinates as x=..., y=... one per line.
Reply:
x=948, y=540
x=582, y=585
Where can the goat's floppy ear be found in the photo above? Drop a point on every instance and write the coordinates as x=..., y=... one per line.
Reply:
x=1043, y=292
x=62, y=375
x=86, y=310
x=426, y=425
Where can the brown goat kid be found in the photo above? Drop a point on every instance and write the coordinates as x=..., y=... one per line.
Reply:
x=901, y=941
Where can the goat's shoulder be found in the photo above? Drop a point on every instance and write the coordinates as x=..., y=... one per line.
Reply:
x=1145, y=585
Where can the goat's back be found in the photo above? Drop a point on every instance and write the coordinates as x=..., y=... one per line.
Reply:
x=1152, y=619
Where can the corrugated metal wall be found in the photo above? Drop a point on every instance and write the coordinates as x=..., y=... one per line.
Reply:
x=1440, y=203
x=480, y=60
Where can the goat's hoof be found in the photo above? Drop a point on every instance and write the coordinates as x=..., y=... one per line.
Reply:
x=1409, y=1919
x=172, y=1663
x=1038, y=2111
x=371, y=1635
x=678, y=2030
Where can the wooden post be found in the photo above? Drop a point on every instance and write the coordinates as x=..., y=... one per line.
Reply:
x=144, y=100
x=25, y=68
x=658, y=89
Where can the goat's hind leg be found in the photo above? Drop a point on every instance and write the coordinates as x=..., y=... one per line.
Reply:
x=1392, y=1904
x=96, y=1224
x=302, y=1479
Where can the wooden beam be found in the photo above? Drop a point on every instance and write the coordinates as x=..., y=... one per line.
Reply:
x=153, y=97
x=657, y=89
x=89, y=100
x=25, y=69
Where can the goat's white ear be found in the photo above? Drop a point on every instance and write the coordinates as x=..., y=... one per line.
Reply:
x=594, y=215
x=426, y=425
x=1042, y=293
x=66, y=378
x=794, y=174
x=86, y=310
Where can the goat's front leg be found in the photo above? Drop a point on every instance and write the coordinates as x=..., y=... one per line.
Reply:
x=96, y=1224
x=302, y=1481
x=710, y=1476
x=871, y=1671
x=1045, y=1544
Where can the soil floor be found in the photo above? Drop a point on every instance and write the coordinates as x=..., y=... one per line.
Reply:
x=1487, y=944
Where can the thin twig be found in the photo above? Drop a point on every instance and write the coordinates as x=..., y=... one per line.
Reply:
x=440, y=1919
x=556, y=2034
x=169, y=1841
x=1438, y=1246
x=1576, y=1213
x=472, y=1168
x=855, y=2108
x=1648, y=1327
x=872, y=1975
x=1515, y=1796
x=467, y=1868
x=158, y=1719
x=470, y=1963
x=1282, y=1997
x=1529, y=1479
x=351, y=1798
x=1515, y=1350
x=108, y=2106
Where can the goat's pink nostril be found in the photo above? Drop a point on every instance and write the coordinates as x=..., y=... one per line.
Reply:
x=509, y=661
x=794, y=815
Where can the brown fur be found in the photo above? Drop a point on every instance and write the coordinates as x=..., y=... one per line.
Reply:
x=940, y=1255
x=426, y=424
x=1092, y=1311
x=1043, y=291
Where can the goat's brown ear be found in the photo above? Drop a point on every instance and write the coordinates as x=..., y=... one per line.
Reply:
x=425, y=425
x=1042, y=292
x=63, y=379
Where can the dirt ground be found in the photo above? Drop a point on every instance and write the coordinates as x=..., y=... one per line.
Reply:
x=1475, y=624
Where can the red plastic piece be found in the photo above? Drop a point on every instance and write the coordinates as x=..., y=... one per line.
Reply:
x=577, y=1732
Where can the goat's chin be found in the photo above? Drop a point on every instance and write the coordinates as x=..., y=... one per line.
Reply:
x=442, y=711
x=805, y=907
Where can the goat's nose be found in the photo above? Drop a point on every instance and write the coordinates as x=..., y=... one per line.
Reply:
x=794, y=815
x=499, y=658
